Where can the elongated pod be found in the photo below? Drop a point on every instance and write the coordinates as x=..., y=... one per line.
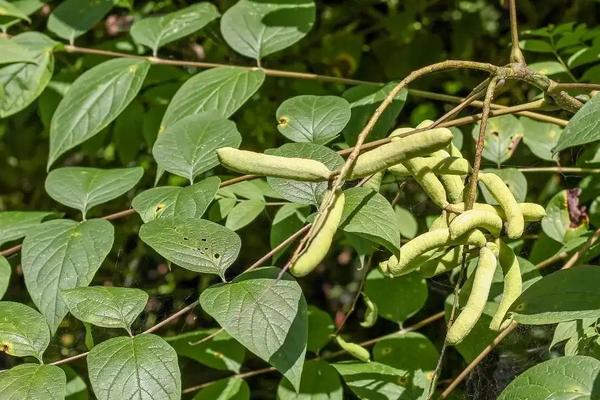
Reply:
x=453, y=184
x=470, y=314
x=435, y=266
x=531, y=212
x=472, y=219
x=439, y=165
x=398, y=150
x=442, y=221
x=513, y=285
x=249, y=162
x=370, y=313
x=428, y=181
x=319, y=245
x=355, y=350
x=515, y=222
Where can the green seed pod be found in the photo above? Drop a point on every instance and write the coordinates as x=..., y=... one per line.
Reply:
x=472, y=238
x=470, y=314
x=318, y=247
x=249, y=162
x=454, y=151
x=409, y=267
x=370, y=313
x=355, y=350
x=442, y=221
x=445, y=263
x=374, y=182
x=515, y=222
x=399, y=150
x=472, y=219
x=428, y=181
x=513, y=285
x=439, y=165
x=424, y=124
x=531, y=212
x=453, y=184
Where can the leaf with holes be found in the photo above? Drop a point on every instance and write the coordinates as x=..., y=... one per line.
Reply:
x=93, y=101
x=109, y=307
x=63, y=254
x=22, y=82
x=168, y=201
x=143, y=367
x=541, y=137
x=83, y=188
x=565, y=378
x=369, y=215
x=316, y=119
x=582, y=127
x=16, y=224
x=514, y=179
x=265, y=314
x=23, y=331
x=155, y=32
x=72, y=18
x=557, y=223
x=298, y=191
x=195, y=244
x=188, y=147
x=222, y=90
x=33, y=381
x=319, y=381
x=221, y=351
x=257, y=28
x=502, y=135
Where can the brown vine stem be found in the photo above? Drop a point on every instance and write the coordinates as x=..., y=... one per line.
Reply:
x=578, y=86
x=579, y=253
x=561, y=170
x=516, y=55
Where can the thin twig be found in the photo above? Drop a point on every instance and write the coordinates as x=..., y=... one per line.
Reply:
x=206, y=338
x=279, y=247
x=579, y=253
x=173, y=317
x=516, y=55
x=579, y=86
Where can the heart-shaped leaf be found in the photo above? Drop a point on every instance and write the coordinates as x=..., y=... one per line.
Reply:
x=582, y=127
x=63, y=254
x=83, y=188
x=541, y=137
x=195, y=244
x=265, y=314
x=502, y=135
x=33, y=381
x=23, y=331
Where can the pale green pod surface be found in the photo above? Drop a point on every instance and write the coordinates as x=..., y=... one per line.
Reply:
x=472, y=238
x=417, y=247
x=249, y=162
x=395, y=269
x=428, y=181
x=515, y=222
x=470, y=314
x=531, y=212
x=400, y=149
x=472, y=219
x=453, y=184
x=445, y=263
x=424, y=124
x=374, y=182
x=355, y=350
x=370, y=313
x=454, y=151
x=439, y=165
x=399, y=170
x=318, y=247
x=442, y=221
x=513, y=284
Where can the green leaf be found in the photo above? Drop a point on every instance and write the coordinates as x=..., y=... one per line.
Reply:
x=316, y=119
x=304, y=192
x=287, y=220
x=563, y=378
x=514, y=179
x=408, y=225
x=93, y=101
x=26, y=7
x=16, y=224
x=5, y=272
x=557, y=222
x=9, y=10
x=369, y=215
x=108, y=307
x=188, y=147
x=195, y=244
x=397, y=298
x=536, y=46
x=370, y=381
x=541, y=137
x=364, y=100
x=83, y=188
x=155, y=32
x=225, y=389
x=23, y=331
x=21, y=83
x=265, y=314
x=582, y=127
x=72, y=18
x=502, y=135
x=222, y=90
x=244, y=213
x=32, y=382
x=409, y=351
x=256, y=28
x=561, y=296
x=77, y=388
x=320, y=329
x=320, y=381
x=141, y=367
x=12, y=52
x=547, y=68
x=63, y=254
x=167, y=201
x=219, y=352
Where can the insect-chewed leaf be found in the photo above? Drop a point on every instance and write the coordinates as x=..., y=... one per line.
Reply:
x=33, y=381
x=23, y=331
x=195, y=244
x=502, y=135
x=256, y=305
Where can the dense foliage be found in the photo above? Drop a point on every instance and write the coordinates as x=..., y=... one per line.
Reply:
x=299, y=199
